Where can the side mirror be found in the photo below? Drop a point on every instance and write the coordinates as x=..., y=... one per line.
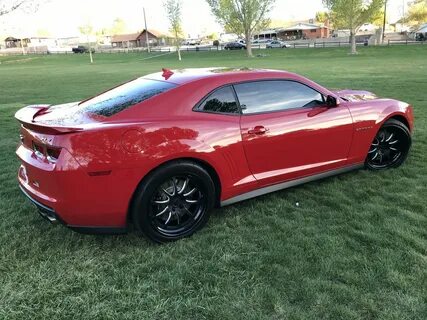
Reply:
x=331, y=101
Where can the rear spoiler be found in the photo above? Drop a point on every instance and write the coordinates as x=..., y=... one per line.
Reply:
x=26, y=116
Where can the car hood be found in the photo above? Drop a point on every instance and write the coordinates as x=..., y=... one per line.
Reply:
x=355, y=95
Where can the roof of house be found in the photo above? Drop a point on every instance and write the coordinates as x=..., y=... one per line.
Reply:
x=155, y=33
x=304, y=26
x=135, y=36
x=125, y=37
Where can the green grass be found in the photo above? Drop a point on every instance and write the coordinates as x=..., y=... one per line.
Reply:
x=355, y=247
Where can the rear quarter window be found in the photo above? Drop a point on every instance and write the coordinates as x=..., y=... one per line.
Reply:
x=124, y=96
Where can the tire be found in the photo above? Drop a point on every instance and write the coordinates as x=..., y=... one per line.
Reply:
x=165, y=208
x=390, y=147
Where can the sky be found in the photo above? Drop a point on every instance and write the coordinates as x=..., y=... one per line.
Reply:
x=61, y=18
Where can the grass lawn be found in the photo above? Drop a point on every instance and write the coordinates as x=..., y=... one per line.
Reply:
x=354, y=248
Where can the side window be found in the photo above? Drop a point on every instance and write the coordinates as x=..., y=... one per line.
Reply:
x=221, y=101
x=275, y=95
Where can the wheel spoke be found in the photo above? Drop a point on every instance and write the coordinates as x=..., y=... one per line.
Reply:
x=191, y=201
x=173, y=186
x=373, y=150
x=389, y=138
x=163, y=211
x=189, y=192
x=162, y=201
x=392, y=148
x=189, y=212
x=167, y=193
x=393, y=142
x=184, y=185
x=169, y=217
x=375, y=156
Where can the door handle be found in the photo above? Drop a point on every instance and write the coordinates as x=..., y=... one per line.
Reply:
x=258, y=130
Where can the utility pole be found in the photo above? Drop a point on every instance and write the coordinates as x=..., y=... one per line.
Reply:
x=146, y=32
x=385, y=14
x=403, y=12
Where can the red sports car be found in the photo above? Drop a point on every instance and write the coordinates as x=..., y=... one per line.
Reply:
x=159, y=152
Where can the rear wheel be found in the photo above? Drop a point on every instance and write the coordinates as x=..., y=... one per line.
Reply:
x=390, y=146
x=173, y=202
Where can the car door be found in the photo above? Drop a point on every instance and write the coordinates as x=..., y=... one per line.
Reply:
x=288, y=131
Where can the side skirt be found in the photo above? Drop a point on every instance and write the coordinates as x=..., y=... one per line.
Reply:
x=289, y=184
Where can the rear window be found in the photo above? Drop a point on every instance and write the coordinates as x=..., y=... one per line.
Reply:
x=125, y=96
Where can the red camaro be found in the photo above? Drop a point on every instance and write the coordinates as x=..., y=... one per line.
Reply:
x=160, y=151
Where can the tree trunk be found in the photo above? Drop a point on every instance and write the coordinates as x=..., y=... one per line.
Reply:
x=353, y=42
x=179, y=53
x=248, y=40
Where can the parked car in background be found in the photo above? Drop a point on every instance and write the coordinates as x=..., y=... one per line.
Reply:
x=82, y=49
x=262, y=41
x=129, y=157
x=421, y=37
x=277, y=44
x=234, y=46
x=192, y=42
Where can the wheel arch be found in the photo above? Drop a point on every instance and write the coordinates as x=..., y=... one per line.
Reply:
x=401, y=118
x=203, y=163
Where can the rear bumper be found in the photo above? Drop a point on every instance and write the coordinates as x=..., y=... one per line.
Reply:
x=64, y=191
x=46, y=212
x=50, y=215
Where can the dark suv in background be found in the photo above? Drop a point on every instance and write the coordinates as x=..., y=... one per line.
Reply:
x=234, y=46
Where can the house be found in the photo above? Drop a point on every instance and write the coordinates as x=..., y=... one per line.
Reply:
x=304, y=31
x=138, y=39
x=12, y=42
x=266, y=34
x=298, y=31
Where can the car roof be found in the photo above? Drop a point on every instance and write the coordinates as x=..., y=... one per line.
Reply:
x=182, y=76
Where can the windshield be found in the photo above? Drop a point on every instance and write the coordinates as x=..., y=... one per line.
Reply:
x=117, y=99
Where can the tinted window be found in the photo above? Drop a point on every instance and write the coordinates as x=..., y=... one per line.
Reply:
x=266, y=96
x=124, y=96
x=221, y=100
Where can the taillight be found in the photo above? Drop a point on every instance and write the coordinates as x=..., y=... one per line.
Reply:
x=52, y=154
x=38, y=150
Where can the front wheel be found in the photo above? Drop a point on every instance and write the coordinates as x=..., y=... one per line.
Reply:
x=390, y=146
x=173, y=202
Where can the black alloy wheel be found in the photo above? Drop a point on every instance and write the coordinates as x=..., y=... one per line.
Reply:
x=390, y=146
x=173, y=201
x=177, y=205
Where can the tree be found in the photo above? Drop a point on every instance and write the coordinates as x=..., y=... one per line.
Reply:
x=118, y=27
x=173, y=13
x=417, y=12
x=87, y=30
x=8, y=6
x=242, y=17
x=352, y=14
x=378, y=18
x=322, y=16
